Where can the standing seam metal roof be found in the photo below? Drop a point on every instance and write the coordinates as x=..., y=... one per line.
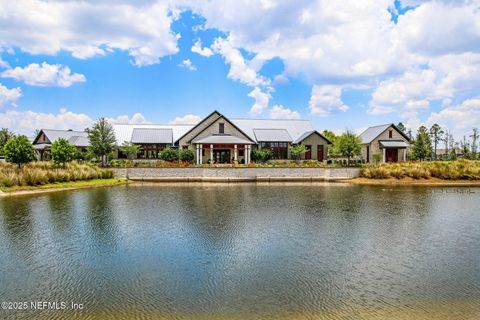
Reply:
x=272, y=135
x=152, y=135
x=294, y=127
x=371, y=133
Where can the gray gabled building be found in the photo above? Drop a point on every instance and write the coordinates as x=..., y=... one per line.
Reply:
x=386, y=141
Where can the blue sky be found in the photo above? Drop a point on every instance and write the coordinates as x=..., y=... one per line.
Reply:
x=346, y=64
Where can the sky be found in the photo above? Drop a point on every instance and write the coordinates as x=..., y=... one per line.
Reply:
x=343, y=64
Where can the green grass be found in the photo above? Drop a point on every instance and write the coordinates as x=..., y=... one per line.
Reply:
x=41, y=173
x=445, y=170
x=71, y=184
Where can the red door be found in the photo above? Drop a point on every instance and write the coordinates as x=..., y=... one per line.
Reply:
x=391, y=155
x=320, y=152
x=308, y=154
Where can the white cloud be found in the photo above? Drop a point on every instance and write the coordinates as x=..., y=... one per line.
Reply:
x=280, y=112
x=240, y=70
x=3, y=63
x=25, y=122
x=326, y=100
x=137, y=118
x=44, y=75
x=459, y=118
x=87, y=28
x=205, y=51
x=188, y=65
x=9, y=96
x=186, y=119
x=261, y=101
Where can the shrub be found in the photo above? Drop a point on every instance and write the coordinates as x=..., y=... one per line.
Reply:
x=169, y=154
x=261, y=155
x=63, y=152
x=19, y=150
x=186, y=155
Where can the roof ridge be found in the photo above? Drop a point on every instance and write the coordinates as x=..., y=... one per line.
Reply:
x=269, y=119
x=151, y=124
x=64, y=130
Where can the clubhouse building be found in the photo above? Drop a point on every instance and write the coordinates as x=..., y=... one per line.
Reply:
x=218, y=139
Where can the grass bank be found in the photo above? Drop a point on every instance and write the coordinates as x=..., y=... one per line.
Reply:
x=459, y=170
x=43, y=173
x=62, y=186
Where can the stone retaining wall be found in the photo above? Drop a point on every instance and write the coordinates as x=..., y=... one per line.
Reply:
x=236, y=174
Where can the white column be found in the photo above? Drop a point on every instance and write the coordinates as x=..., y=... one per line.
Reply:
x=211, y=153
x=200, y=152
x=247, y=153
x=405, y=154
x=384, y=154
x=235, y=152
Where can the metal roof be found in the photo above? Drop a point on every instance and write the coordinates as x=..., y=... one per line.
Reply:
x=221, y=139
x=272, y=135
x=123, y=132
x=54, y=135
x=79, y=141
x=371, y=133
x=393, y=144
x=294, y=127
x=152, y=135
x=41, y=146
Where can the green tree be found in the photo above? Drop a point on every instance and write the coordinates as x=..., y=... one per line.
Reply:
x=333, y=151
x=422, y=146
x=349, y=145
x=465, y=148
x=474, y=137
x=63, y=152
x=130, y=149
x=186, y=155
x=261, y=155
x=402, y=127
x=102, y=139
x=4, y=136
x=436, y=133
x=19, y=150
x=169, y=154
x=297, y=151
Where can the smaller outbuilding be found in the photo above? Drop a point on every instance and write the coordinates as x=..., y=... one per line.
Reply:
x=386, y=143
x=45, y=137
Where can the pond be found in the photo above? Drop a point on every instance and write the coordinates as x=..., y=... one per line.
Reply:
x=242, y=251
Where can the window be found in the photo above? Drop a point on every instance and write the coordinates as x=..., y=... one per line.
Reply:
x=241, y=152
x=279, y=149
x=184, y=147
x=221, y=128
x=390, y=134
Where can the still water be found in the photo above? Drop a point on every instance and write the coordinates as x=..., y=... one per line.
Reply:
x=243, y=252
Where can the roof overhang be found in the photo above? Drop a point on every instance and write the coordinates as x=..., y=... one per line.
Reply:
x=221, y=139
x=393, y=144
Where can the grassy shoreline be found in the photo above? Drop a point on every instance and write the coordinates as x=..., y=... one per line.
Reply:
x=407, y=181
x=60, y=186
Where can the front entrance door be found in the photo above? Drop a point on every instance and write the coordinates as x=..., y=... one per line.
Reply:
x=320, y=152
x=392, y=155
x=308, y=154
x=221, y=156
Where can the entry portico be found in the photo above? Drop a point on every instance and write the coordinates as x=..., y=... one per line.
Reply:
x=387, y=141
x=222, y=148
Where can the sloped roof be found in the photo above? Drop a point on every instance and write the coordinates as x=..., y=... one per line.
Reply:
x=221, y=139
x=79, y=141
x=272, y=135
x=152, y=135
x=53, y=135
x=294, y=127
x=124, y=132
x=371, y=133
x=393, y=144
x=306, y=134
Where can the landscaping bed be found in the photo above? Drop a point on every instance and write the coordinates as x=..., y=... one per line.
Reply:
x=445, y=170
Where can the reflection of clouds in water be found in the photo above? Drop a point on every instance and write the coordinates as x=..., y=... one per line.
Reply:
x=249, y=249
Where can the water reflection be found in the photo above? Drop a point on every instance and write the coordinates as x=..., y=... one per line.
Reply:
x=245, y=251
